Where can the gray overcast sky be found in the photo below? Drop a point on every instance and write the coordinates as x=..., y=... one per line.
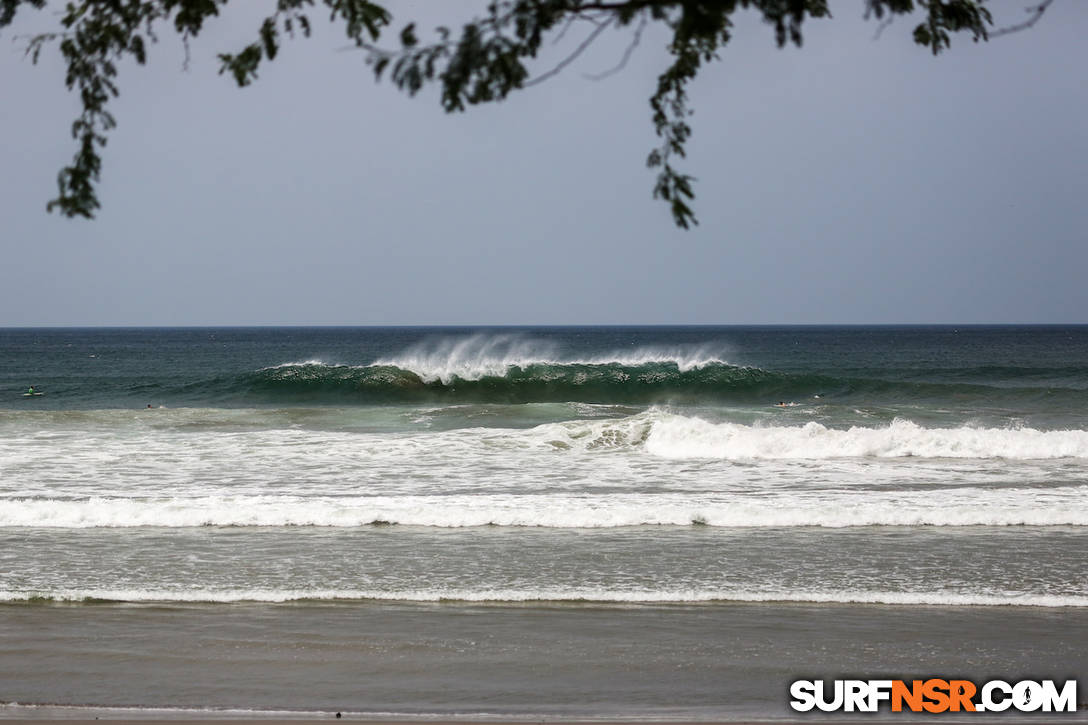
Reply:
x=853, y=180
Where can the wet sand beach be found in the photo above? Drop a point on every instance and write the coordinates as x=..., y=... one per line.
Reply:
x=487, y=662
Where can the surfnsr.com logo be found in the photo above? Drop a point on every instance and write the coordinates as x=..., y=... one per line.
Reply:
x=933, y=695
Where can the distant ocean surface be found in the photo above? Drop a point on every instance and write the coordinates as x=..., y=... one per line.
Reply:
x=519, y=522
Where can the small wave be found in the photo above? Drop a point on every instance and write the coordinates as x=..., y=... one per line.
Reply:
x=79, y=713
x=832, y=509
x=543, y=596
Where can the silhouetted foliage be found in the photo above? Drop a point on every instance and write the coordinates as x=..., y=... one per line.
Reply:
x=483, y=62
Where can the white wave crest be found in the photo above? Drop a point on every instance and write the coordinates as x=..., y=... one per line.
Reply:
x=315, y=362
x=674, y=436
x=590, y=595
x=479, y=356
x=685, y=358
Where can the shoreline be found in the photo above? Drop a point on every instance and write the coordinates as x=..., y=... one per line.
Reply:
x=30, y=712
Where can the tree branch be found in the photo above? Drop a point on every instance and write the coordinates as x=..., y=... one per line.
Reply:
x=486, y=61
x=626, y=55
x=570, y=58
x=880, y=28
x=1037, y=13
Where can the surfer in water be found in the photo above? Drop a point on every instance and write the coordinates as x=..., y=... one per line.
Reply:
x=31, y=391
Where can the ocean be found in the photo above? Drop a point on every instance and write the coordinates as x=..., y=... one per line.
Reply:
x=538, y=522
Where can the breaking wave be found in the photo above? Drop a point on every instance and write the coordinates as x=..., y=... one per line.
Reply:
x=637, y=380
x=632, y=381
x=515, y=369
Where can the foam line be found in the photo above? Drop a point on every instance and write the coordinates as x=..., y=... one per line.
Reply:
x=616, y=596
x=1066, y=506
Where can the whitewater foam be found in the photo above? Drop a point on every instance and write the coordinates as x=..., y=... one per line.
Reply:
x=675, y=436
